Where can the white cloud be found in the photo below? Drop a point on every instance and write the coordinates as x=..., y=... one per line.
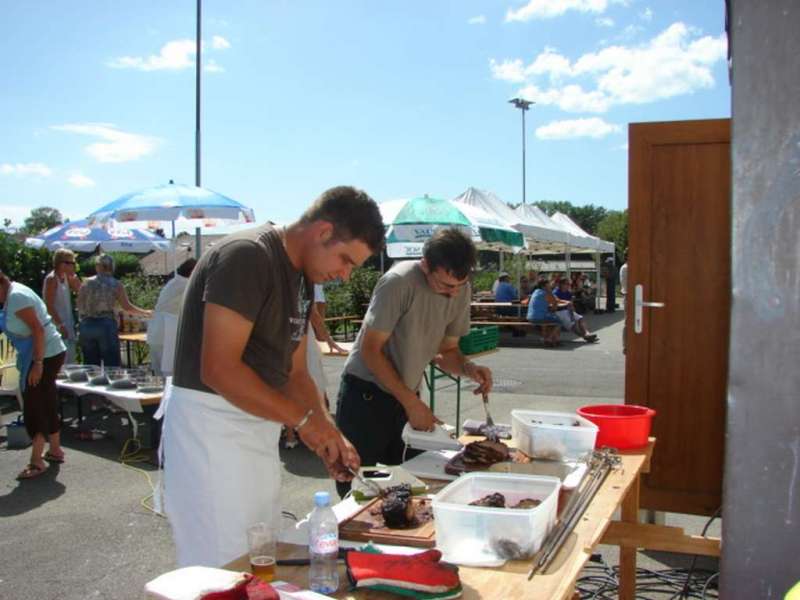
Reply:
x=118, y=146
x=212, y=66
x=173, y=56
x=478, y=20
x=220, y=43
x=508, y=70
x=604, y=22
x=81, y=181
x=25, y=169
x=16, y=213
x=671, y=64
x=548, y=9
x=593, y=127
x=646, y=14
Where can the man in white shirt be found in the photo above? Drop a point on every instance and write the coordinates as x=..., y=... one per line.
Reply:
x=169, y=302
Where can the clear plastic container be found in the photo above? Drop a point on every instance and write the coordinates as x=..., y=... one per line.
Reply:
x=478, y=535
x=552, y=435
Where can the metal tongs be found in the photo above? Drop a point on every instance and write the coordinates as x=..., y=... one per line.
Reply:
x=489, y=419
x=374, y=487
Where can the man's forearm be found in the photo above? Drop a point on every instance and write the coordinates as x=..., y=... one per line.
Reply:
x=302, y=390
x=453, y=362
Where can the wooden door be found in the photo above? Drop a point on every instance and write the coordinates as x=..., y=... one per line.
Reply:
x=679, y=251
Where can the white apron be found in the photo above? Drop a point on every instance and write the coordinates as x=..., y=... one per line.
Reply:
x=221, y=475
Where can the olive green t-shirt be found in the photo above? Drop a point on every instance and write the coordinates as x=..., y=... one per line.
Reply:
x=248, y=272
x=417, y=319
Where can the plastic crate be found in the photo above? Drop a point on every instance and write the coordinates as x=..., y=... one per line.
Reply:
x=480, y=339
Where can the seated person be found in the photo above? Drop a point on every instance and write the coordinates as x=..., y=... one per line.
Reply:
x=506, y=292
x=541, y=307
x=565, y=311
x=524, y=287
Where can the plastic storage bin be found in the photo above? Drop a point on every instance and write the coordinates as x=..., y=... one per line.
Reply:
x=480, y=339
x=552, y=435
x=478, y=535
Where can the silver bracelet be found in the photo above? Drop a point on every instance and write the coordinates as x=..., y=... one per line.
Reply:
x=304, y=420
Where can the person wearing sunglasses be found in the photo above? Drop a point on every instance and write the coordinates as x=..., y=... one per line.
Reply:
x=418, y=311
x=57, y=289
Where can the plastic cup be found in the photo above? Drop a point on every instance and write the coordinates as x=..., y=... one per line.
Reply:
x=262, y=550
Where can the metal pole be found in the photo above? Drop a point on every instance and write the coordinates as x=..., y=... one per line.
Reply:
x=523, y=156
x=198, y=71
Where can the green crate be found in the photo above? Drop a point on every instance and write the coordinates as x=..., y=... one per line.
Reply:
x=480, y=339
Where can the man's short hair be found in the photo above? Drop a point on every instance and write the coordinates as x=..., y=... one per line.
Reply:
x=452, y=250
x=63, y=255
x=353, y=214
x=186, y=267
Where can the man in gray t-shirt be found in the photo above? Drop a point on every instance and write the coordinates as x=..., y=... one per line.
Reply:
x=417, y=313
x=240, y=373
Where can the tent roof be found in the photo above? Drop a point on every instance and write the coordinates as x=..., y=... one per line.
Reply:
x=580, y=237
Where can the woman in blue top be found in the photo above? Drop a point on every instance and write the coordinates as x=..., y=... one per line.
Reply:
x=40, y=354
x=541, y=307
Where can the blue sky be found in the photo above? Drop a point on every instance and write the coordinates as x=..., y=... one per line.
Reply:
x=399, y=98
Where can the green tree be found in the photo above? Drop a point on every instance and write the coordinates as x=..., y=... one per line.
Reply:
x=22, y=264
x=41, y=219
x=614, y=228
x=587, y=217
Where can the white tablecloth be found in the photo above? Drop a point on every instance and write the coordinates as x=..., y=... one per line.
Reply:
x=128, y=400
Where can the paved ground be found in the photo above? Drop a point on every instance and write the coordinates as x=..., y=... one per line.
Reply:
x=81, y=531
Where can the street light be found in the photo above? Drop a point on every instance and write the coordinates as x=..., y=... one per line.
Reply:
x=523, y=105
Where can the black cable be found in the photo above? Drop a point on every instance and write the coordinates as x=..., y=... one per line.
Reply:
x=694, y=559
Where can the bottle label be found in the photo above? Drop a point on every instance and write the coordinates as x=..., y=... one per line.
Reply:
x=326, y=543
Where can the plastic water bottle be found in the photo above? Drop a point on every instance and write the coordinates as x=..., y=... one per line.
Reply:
x=323, y=546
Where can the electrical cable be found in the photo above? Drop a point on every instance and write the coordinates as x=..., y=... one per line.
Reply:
x=694, y=559
x=128, y=457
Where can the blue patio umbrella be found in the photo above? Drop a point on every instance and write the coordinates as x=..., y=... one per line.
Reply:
x=86, y=236
x=171, y=201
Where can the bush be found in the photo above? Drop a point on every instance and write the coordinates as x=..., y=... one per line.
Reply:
x=22, y=264
x=351, y=297
x=124, y=264
x=142, y=290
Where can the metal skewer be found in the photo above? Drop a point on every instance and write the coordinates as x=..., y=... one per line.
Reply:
x=376, y=489
x=600, y=465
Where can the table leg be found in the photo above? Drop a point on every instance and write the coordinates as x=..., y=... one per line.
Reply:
x=128, y=352
x=458, y=404
x=627, y=554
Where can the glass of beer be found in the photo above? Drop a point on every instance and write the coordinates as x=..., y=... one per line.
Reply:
x=261, y=547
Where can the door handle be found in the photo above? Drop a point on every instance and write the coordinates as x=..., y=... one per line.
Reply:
x=639, y=304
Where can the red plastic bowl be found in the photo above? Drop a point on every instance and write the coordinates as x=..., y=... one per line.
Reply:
x=622, y=426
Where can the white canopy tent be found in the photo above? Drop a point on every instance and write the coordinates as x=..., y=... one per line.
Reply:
x=578, y=237
x=541, y=235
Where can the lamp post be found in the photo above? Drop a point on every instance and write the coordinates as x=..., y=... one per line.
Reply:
x=523, y=105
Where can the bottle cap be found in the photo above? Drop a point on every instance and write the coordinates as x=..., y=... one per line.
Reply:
x=322, y=499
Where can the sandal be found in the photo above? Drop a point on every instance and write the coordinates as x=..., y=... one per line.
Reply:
x=54, y=458
x=30, y=472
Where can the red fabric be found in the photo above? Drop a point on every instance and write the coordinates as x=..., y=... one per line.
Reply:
x=421, y=571
x=251, y=588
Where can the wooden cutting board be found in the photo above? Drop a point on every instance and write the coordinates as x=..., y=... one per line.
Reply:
x=365, y=526
x=457, y=466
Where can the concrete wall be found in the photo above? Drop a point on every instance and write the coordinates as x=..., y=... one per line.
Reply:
x=761, y=509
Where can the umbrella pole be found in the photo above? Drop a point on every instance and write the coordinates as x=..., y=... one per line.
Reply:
x=174, y=251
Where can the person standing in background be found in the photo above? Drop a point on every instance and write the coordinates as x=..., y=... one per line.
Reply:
x=170, y=300
x=57, y=289
x=610, y=275
x=623, y=288
x=97, y=299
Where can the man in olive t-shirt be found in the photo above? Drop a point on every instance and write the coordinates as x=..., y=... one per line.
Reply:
x=240, y=373
x=417, y=313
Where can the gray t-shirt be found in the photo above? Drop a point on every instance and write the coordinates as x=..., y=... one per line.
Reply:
x=418, y=319
x=248, y=272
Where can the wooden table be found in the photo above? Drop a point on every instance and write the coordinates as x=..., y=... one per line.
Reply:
x=621, y=489
x=130, y=340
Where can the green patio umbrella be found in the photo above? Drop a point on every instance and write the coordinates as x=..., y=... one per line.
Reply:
x=411, y=222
